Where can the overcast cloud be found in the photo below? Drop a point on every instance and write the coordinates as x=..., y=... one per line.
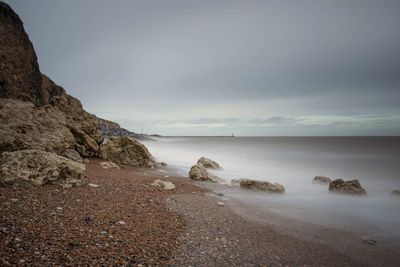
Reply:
x=221, y=67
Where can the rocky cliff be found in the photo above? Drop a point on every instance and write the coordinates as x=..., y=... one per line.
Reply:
x=54, y=117
x=20, y=77
x=35, y=112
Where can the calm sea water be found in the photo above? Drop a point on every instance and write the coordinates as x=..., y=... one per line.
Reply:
x=293, y=162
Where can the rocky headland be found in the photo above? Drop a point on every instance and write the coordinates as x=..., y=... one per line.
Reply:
x=40, y=120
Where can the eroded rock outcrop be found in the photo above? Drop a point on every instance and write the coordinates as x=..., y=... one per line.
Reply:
x=125, y=150
x=38, y=167
x=25, y=126
x=352, y=187
x=199, y=173
x=321, y=180
x=257, y=185
x=209, y=163
x=72, y=154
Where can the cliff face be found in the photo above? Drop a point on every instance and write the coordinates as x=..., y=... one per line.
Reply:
x=41, y=125
x=56, y=121
x=20, y=76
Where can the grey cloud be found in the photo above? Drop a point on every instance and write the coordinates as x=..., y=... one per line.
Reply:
x=178, y=61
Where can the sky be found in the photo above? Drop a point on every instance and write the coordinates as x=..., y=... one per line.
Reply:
x=252, y=68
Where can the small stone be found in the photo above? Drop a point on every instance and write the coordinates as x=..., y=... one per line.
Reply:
x=220, y=194
x=88, y=219
x=59, y=208
x=93, y=185
x=17, y=239
x=14, y=199
x=221, y=204
x=109, y=165
x=103, y=233
x=167, y=185
x=73, y=244
x=121, y=223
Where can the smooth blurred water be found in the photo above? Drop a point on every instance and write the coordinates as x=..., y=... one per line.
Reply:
x=293, y=162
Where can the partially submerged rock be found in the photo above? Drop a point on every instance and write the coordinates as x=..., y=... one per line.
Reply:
x=257, y=185
x=321, y=180
x=167, y=185
x=109, y=165
x=208, y=163
x=235, y=182
x=352, y=187
x=38, y=167
x=199, y=173
x=125, y=150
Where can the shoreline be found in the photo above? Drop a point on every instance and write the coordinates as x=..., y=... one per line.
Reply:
x=349, y=243
x=128, y=222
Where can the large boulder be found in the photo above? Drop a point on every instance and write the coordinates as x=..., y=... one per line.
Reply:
x=321, y=180
x=86, y=145
x=125, y=150
x=199, y=173
x=208, y=163
x=352, y=187
x=38, y=167
x=257, y=185
x=25, y=126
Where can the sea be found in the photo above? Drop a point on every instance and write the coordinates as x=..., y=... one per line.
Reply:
x=294, y=162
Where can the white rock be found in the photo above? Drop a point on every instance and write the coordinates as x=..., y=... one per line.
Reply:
x=109, y=165
x=93, y=185
x=221, y=204
x=208, y=163
x=167, y=185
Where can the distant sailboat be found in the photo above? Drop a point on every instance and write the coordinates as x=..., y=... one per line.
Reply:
x=232, y=135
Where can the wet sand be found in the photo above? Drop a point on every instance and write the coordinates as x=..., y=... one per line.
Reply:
x=127, y=222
